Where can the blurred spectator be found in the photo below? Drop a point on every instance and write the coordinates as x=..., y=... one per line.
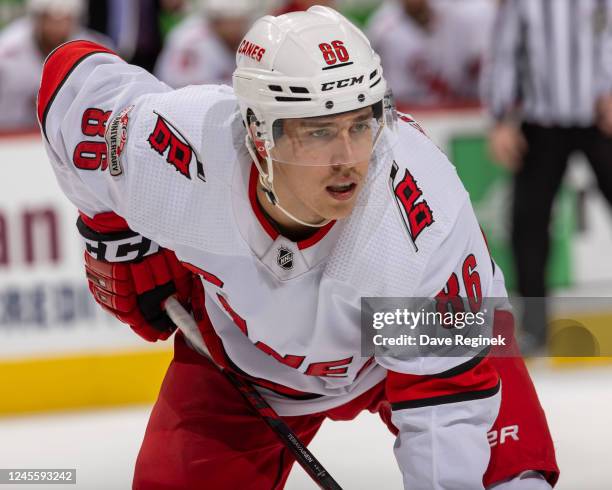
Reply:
x=171, y=14
x=431, y=51
x=10, y=10
x=24, y=45
x=133, y=25
x=548, y=85
x=299, y=5
x=202, y=49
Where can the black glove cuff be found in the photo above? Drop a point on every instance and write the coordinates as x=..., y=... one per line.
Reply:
x=123, y=246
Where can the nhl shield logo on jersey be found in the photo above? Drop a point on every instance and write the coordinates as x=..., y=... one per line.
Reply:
x=167, y=140
x=116, y=138
x=284, y=258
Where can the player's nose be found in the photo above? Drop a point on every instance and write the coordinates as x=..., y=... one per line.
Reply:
x=343, y=152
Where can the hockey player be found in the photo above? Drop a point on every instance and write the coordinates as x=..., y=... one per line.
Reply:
x=431, y=49
x=201, y=49
x=289, y=197
x=24, y=45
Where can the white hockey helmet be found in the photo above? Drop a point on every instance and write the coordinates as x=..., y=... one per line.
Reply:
x=59, y=7
x=305, y=64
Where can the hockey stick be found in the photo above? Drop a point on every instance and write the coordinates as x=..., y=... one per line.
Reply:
x=185, y=322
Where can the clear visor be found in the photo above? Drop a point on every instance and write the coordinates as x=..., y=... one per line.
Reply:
x=342, y=139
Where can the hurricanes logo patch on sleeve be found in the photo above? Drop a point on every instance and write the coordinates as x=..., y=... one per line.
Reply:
x=116, y=139
x=415, y=211
x=167, y=140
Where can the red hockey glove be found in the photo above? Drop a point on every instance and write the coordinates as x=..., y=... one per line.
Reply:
x=130, y=276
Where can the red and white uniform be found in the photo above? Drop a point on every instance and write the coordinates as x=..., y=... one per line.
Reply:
x=194, y=54
x=185, y=180
x=21, y=65
x=440, y=65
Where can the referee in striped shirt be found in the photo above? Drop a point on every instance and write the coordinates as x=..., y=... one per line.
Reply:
x=548, y=85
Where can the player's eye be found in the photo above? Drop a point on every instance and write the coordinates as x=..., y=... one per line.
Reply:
x=360, y=127
x=321, y=133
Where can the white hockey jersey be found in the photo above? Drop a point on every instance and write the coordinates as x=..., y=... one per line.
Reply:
x=194, y=54
x=284, y=313
x=440, y=65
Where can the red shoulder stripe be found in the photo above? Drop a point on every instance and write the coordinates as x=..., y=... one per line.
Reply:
x=59, y=64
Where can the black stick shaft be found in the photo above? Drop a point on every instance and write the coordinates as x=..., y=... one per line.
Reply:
x=302, y=455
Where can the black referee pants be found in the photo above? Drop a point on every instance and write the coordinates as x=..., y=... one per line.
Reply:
x=535, y=187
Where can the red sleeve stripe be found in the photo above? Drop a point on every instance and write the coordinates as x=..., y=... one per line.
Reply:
x=58, y=66
x=410, y=390
x=441, y=400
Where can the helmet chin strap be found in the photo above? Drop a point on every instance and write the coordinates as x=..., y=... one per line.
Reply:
x=267, y=182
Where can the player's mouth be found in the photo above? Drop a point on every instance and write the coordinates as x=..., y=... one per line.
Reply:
x=342, y=192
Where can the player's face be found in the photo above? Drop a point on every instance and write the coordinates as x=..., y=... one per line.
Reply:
x=415, y=6
x=335, y=152
x=230, y=30
x=54, y=29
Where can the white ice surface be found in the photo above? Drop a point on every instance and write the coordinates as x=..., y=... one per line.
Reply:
x=103, y=445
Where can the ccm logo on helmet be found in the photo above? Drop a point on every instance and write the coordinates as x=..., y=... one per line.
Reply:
x=251, y=50
x=345, y=82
